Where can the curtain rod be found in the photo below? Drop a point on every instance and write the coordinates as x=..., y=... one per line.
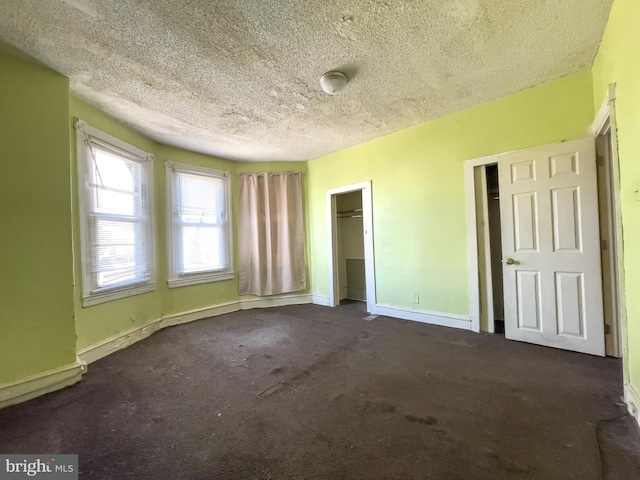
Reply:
x=271, y=173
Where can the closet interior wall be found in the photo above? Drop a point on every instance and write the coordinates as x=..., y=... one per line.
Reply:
x=351, y=269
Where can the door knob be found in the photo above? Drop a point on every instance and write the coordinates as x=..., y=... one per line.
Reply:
x=509, y=261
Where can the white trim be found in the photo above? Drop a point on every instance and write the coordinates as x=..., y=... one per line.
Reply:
x=198, y=278
x=601, y=117
x=472, y=236
x=116, y=293
x=472, y=231
x=632, y=399
x=425, y=316
x=91, y=296
x=619, y=234
x=188, y=168
x=118, y=342
x=125, y=339
x=176, y=279
x=488, y=272
x=367, y=227
x=250, y=302
x=110, y=139
x=472, y=244
x=198, y=314
x=482, y=161
x=321, y=300
x=369, y=256
x=606, y=119
x=35, y=385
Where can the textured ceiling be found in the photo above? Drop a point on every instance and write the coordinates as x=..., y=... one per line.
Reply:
x=240, y=78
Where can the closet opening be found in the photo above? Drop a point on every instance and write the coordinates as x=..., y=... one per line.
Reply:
x=495, y=247
x=487, y=241
x=350, y=242
x=352, y=286
x=609, y=255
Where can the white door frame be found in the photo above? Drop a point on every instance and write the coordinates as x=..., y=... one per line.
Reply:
x=606, y=120
x=472, y=237
x=472, y=233
x=367, y=227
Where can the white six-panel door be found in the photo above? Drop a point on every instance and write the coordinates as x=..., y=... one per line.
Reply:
x=551, y=246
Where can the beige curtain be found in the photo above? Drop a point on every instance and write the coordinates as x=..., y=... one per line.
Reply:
x=271, y=234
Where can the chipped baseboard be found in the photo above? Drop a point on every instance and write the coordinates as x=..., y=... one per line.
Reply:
x=632, y=400
x=35, y=385
x=122, y=340
x=249, y=302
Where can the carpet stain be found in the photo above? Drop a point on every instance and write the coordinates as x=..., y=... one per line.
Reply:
x=429, y=420
x=508, y=465
x=360, y=408
x=324, y=438
x=379, y=407
x=270, y=390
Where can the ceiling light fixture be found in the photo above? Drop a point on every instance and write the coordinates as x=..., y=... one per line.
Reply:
x=332, y=82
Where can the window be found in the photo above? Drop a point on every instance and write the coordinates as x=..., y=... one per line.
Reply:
x=115, y=192
x=199, y=225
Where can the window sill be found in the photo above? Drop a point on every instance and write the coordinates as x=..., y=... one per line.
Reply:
x=198, y=278
x=115, y=294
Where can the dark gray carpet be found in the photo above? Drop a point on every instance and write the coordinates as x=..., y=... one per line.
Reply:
x=309, y=392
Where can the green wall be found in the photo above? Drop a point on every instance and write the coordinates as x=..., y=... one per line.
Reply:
x=419, y=221
x=618, y=61
x=418, y=192
x=176, y=300
x=36, y=280
x=100, y=322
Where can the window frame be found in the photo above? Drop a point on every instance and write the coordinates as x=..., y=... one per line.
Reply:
x=175, y=278
x=91, y=294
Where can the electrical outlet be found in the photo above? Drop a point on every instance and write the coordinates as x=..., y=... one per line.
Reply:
x=416, y=298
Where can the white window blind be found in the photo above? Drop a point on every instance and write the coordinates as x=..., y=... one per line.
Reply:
x=117, y=240
x=199, y=226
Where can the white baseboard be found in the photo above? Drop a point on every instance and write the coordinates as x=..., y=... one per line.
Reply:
x=122, y=340
x=118, y=342
x=247, y=303
x=320, y=300
x=632, y=399
x=425, y=316
x=198, y=314
x=35, y=385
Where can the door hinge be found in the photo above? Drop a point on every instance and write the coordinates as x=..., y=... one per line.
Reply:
x=607, y=329
x=600, y=161
x=604, y=244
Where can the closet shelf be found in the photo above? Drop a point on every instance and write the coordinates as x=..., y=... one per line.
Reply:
x=355, y=213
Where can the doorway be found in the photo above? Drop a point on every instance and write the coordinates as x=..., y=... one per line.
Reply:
x=495, y=248
x=351, y=264
x=573, y=292
x=609, y=239
x=352, y=286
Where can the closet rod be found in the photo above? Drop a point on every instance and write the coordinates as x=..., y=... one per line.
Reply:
x=355, y=213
